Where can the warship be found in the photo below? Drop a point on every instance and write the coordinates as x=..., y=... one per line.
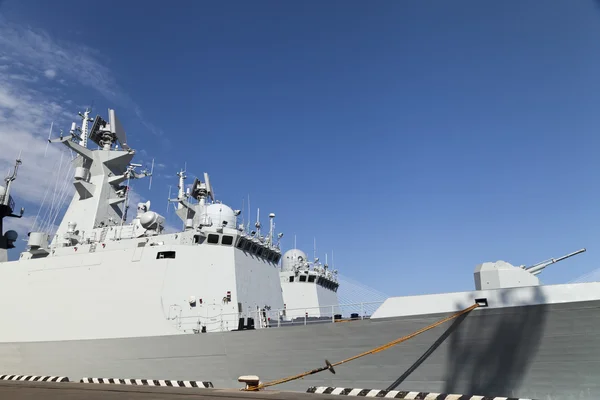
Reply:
x=101, y=297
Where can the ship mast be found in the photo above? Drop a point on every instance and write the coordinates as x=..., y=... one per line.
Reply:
x=85, y=118
x=7, y=206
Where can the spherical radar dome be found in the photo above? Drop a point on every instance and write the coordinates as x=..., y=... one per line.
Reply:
x=219, y=213
x=11, y=236
x=291, y=258
x=151, y=220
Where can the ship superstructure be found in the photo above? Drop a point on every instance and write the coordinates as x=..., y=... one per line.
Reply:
x=309, y=285
x=212, y=276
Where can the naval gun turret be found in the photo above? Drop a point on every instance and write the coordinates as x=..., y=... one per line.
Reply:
x=7, y=206
x=500, y=274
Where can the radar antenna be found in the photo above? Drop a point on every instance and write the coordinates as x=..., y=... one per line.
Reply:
x=201, y=190
x=105, y=134
x=209, y=188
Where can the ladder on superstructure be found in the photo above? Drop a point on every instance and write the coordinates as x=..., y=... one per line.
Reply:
x=263, y=319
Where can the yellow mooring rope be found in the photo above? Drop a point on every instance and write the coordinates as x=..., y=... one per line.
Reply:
x=386, y=346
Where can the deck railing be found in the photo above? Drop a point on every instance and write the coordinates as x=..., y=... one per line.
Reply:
x=275, y=318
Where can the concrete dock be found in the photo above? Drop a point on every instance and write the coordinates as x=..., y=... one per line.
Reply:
x=16, y=390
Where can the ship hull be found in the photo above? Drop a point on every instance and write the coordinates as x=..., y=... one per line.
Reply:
x=540, y=352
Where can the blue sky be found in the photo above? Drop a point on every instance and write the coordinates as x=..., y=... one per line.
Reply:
x=414, y=139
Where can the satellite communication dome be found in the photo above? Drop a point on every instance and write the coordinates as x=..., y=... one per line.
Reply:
x=292, y=258
x=220, y=213
x=151, y=220
x=11, y=236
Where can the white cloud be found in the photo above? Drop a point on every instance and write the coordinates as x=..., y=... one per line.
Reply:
x=23, y=77
x=28, y=105
x=25, y=118
x=37, y=52
x=50, y=73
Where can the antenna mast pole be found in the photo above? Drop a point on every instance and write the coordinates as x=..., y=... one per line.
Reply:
x=181, y=193
x=85, y=118
x=9, y=179
x=243, y=215
x=257, y=222
x=271, y=227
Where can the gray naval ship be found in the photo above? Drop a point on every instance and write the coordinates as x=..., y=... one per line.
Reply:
x=104, y=298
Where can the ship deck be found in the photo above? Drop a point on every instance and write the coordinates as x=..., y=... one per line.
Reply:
x=15, y=390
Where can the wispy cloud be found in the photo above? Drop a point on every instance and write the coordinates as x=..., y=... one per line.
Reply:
x=35, y=69
x=50, y=73
x=39, y=53
x=25, y=118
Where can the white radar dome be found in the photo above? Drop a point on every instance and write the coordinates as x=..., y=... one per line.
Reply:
x=151, y=220
x=292, y=258
x=11, y=236
x=220, y=213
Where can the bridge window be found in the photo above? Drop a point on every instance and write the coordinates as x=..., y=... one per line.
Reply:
x=291, y=279
x=227, y=240
x=302, y=278
x=165, y=254
x=199, y=239
x=241, y=243
x=311, y=278
x=259, y=251
x=248, y=245
x=213, y=239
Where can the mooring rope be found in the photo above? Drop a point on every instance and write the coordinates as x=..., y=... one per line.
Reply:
x=329, y=366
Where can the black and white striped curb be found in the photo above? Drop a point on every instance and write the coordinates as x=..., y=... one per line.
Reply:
x=34, y=378
x=149, y=382
x=397, y=394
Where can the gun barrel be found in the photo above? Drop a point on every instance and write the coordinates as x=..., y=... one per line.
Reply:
x=537, y=268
